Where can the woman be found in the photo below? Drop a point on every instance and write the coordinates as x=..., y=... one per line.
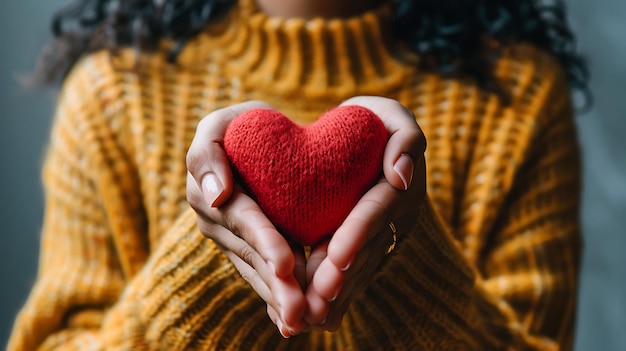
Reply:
x=487, y=260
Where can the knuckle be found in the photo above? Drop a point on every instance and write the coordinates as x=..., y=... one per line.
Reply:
x=194, y=202
x=248, y=275
x=397, y=104
x=207, y=228
x=194, y=197
x=409, y=113
x=201, y=211
x=377, y=204
x=417, y=140
x=235, y=221
x=193, y=159
x=203, y=125
x=247, y=254
x=229, y=221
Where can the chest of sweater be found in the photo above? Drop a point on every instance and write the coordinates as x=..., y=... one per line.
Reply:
x=474, y=143
x=463, y=175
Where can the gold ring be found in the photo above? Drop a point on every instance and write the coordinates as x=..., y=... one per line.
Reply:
x=394, y=234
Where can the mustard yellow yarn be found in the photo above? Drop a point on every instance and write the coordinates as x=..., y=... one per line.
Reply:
x=492, y=264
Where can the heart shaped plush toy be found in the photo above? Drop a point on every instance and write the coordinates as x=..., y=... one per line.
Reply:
x=307, y=179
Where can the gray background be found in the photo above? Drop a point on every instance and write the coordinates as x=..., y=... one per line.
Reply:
x=601, y=28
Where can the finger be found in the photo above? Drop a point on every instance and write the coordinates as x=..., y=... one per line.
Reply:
x=206, y=160
x=279, y=297
x=251, y=275
x=336, y=311
x=369, y=217
x=406, y=144
x=355, y=280
x=324, y=288
x=317, y=310
x=275, y=317
x=327, y=281
x=300, y=266
x=317, y=307
x=318, y=254
x=247, y=235
x=244, y=218
x=284, y=295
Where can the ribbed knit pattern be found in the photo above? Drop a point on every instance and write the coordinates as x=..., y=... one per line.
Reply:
x=491, y=265
x=307, y=179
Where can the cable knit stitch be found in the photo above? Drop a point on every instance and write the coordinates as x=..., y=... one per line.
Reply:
x=491, y=265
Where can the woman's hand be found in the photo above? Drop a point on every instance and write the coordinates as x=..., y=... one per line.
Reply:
x=338, y=270
x=236, y=223
x=278, y=271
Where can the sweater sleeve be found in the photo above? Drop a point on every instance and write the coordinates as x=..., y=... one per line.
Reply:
x=96, y=288
x=520, y=293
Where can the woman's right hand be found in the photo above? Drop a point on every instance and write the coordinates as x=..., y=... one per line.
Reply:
x=227, y=215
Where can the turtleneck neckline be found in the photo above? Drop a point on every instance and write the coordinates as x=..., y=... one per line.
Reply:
x=316, y=58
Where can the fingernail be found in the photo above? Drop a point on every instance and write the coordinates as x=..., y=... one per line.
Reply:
x=335, y=296
x=404, y=169
x=212, y=188
x=346, y=267
x=279, y=324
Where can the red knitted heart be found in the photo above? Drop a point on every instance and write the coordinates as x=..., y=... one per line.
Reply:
x=307, y=179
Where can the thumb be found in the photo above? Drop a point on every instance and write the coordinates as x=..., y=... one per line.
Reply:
x=406, y=145
x=206, y=160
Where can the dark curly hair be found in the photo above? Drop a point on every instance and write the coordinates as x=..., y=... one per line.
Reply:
x=453, y=36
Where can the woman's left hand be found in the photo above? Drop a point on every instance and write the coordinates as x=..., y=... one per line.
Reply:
x=339, y=269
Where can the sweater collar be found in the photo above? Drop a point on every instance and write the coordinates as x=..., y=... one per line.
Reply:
x=316, y=58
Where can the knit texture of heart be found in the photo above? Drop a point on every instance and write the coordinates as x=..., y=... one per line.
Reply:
x=307, y=179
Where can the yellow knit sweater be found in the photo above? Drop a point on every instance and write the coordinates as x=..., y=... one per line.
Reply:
x=492, y=265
